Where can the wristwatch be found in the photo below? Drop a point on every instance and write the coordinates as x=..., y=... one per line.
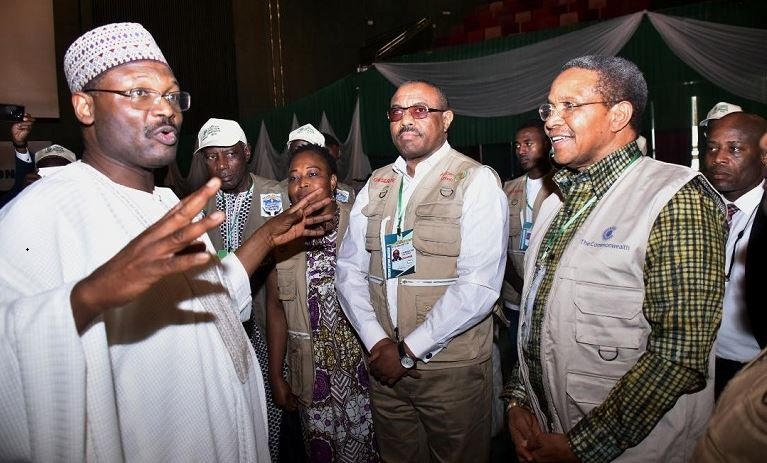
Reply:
x=405, y=360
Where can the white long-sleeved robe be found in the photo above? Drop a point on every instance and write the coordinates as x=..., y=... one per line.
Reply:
x=151, y=381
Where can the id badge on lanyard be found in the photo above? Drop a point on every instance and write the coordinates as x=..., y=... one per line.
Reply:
x=399, y=254
x=524, y=237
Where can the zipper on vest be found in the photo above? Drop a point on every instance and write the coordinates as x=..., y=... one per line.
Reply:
x=425, y=282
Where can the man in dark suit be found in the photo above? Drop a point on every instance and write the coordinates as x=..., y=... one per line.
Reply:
x=756, y=265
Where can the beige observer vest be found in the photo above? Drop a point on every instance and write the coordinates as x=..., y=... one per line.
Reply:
x=261, y=185
x=594, y=329
x=434, y=213
x=516, y=192
x=291, y=279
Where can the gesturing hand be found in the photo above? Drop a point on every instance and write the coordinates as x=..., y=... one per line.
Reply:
x=167, y=247
x=299, y=221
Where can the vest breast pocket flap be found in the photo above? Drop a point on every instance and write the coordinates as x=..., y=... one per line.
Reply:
x=372, y=234
x=437, y=229
x=609, y=316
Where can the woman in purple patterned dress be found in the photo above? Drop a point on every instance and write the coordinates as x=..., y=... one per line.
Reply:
x=327, y=376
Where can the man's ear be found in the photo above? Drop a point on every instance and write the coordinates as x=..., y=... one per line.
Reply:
x=447, y=119
x=248, y=151
x=620, y=115
x=83, y=105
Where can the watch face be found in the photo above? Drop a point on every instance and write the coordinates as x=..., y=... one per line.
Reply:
x=407, y=362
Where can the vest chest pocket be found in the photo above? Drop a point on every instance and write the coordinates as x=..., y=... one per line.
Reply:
x=300, y=365
x=374, y=213
x=286, y=283
x=437, y=229
x=610, y=318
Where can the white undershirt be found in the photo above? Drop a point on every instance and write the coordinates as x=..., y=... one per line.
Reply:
x=480, y=264
x=532, y=188
x=736, y=339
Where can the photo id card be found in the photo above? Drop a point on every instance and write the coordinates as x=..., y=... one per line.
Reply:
x=524, y=237
x=399, y=254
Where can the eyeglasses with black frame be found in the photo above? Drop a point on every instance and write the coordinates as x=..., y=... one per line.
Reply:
x=144, y=98
x=418, y=111
x=564, y=109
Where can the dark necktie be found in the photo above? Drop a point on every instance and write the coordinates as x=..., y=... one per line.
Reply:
x=731, y=210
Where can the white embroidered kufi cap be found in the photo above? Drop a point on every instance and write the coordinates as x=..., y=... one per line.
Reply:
x=220, y=132
x=106, y=47
x=55, y=150
x=307, y=133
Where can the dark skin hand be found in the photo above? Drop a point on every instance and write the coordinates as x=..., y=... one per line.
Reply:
x=523, y=427
x=164, y=249
x=385, y=363
x=551, y=448
x=277, y=338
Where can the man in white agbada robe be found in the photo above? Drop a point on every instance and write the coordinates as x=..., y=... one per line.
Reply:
x=114, y=345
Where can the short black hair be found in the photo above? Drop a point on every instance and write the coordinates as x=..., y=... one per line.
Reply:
x=330, y=140
x=322, y=151
x=619, y=80
x=539, y=125
x=443, y=101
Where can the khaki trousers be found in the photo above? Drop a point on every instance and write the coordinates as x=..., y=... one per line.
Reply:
x=443, y=416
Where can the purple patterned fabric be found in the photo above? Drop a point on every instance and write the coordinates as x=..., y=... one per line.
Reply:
x=338, y=426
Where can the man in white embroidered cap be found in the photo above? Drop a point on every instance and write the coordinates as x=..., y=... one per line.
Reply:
x=120, y=333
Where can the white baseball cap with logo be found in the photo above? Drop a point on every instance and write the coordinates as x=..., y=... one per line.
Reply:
x=220, y=132
x=308, y=134
x=720, y=110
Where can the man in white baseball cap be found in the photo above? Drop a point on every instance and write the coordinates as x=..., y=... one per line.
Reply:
x=720, y=110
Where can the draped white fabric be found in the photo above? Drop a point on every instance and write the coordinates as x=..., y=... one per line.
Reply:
x=518, y=80
x=353, y=165
x=731, y=57
x=265, y=160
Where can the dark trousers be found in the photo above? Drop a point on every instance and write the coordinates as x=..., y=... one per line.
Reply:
x=725, y=370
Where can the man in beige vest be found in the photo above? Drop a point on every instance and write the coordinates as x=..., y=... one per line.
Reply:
x=526, y=194
x=248, y=202
x=623, y=286
x=425, y=317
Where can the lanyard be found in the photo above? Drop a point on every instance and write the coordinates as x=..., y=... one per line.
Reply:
x=400, y=207
x=550, y=242
x=554, y=236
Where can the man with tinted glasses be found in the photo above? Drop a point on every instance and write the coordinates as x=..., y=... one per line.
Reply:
x=625, y=286
x=425, y=317
x=120, y=334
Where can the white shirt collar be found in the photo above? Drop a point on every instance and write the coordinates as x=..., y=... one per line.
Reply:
x=749, y=201
x=400, y=165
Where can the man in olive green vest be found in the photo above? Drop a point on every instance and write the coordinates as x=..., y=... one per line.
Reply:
x=425, y=316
